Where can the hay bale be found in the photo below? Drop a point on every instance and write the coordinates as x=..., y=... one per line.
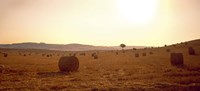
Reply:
x=134, y=49
x=68, y=64
x=150, y=52
x=176, y=59
x=167, y=50
x=95, y=56
x=74, y=54
x=5, y=55
x=191, y=51
x=144, y=54
x=116, y=53
x=137, y=55
x=82, y=54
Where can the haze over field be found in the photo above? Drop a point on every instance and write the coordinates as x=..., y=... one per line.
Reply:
x=100, y=45
x=99, y=22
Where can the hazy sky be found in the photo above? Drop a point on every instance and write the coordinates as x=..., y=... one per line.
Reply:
x=100, y=22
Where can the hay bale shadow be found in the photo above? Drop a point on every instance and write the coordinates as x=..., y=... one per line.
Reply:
x=52, y=74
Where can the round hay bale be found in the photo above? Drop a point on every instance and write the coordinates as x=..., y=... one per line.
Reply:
x=176, y=59
x=68, y=64
x=191, y=51
x=95, y=56
x=144, y=54
x=82, y=54
x=5, y=55
x=150, y=52
x=137, y=55
x=74, y=54
x=134, y=49
x=167, y=50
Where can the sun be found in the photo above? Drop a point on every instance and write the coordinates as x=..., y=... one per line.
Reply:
x=137, y=11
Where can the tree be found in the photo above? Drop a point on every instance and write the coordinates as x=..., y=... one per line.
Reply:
x=122, y=45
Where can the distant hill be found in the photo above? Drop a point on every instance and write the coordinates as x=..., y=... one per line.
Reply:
x=62, y=47
x=194, y=42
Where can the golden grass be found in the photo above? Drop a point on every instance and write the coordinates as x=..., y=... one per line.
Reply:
x=109, y=72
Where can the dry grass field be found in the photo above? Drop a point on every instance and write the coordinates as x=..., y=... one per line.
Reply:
x=38, y=70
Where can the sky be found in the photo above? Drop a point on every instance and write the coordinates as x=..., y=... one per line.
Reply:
x=99, y=22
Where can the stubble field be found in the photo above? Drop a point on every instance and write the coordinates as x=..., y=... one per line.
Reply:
x=38, y=70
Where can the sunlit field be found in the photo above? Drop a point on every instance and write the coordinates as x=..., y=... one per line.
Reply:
x=112, y=70
x=100, y=45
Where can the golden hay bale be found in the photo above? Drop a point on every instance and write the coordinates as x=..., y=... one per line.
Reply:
x=68, y=64
x=137, y=55
x=176, y=59
x=95, y=56
x=144, y=54
x=191, y=51
x=116, y=53
x=134, y=49
x=5, y=55
x=167, y=50
x=74, y=54
x=150, y=52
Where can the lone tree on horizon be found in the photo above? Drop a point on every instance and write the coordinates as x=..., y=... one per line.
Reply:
x=122, y=46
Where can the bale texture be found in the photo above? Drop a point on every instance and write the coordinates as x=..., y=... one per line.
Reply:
x=68, y=64
x=176, y=59
x=191, y=51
